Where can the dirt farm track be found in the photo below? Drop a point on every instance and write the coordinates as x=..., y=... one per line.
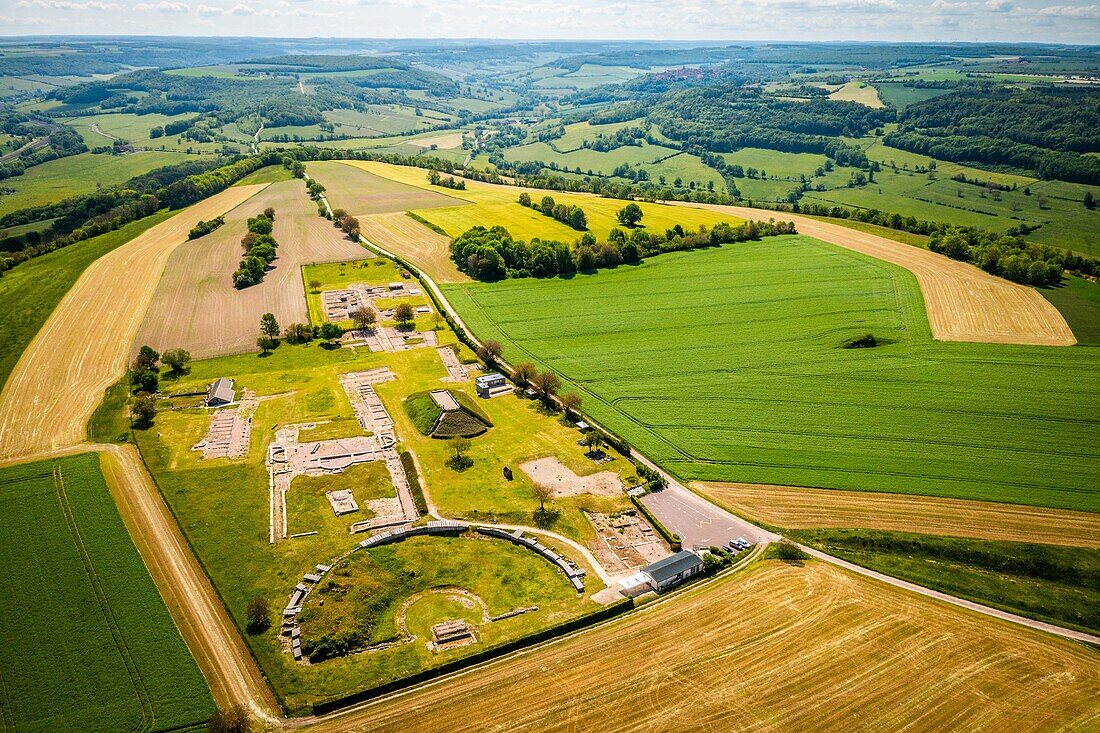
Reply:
x=83, y=347
x=963, y=303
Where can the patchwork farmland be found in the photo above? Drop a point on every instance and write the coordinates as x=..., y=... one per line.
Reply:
x=89, y=644
x=196, y=306
x=725, y=365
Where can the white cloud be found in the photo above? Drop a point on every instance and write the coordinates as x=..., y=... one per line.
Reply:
x=66, y=5
x=164, y=6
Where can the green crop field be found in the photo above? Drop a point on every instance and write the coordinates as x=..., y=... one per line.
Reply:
x=88, y=642
x=901, y=96
x=723, y=364
x=30, y=291
x=78, y=174
x=591, y=160
x=1078, y=300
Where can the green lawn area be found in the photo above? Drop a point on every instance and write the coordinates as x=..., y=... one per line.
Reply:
x=594, y=161
x=723, y=364
x=901, y=96
x=78, y=174
x=89, y=644
x=1059, y=585
x=222, y=504
x=363, y=596
x=30, y=291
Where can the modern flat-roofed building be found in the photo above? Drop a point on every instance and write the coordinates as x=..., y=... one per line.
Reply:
x=492, y=385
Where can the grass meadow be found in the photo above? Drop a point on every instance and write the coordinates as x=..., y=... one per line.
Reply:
x=724, y=364
x=78, y=174
x=89, y=644
x=222, y=505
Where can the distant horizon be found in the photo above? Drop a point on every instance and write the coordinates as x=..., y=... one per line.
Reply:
x=1071, y=22
x=504, y=40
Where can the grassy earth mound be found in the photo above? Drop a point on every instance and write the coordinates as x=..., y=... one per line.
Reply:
x=467, y=422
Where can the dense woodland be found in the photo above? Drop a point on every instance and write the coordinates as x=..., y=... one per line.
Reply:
x=1041, y=131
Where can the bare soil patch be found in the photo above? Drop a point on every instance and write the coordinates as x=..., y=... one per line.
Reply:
x=963, y=303
x=551, y=472
x=361, y=192
x=196, y=306
x=83, y=347
x=800, y=508
x=412, y=241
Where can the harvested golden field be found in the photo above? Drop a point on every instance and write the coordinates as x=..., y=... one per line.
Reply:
x=793, y=507
x=777, y=648
x=963, y=303
x=361, y=193
x=196, y=306
x=412, y=241
x=83, y=346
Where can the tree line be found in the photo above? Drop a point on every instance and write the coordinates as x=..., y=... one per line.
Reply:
x=1009, y=257
x=493, y=254
x=571, y=216
x=259, y=250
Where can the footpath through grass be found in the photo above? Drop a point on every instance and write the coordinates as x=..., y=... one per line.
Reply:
x=88, y=642
x=1059, y=585
x=29, y=292
x=724, y=364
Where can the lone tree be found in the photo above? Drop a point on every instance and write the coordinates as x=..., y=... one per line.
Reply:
x=543, y=494
x=630, y=215
x=330, y=331
x=299, y=333
x=258, y=613
x=547, y=385
x=269, y=326
x=404, y=314
x=143, y=411
x=176, y=359
x=314, y=286
x=459, y=461
x=489, y=352
x=524, y=373
x=363, y=317
x=266, y=344
x=594, y=440
x=571, y=401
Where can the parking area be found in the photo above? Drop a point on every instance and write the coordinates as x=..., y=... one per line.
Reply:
x=698, y=522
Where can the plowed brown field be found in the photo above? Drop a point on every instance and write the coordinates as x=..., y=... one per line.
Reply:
x=799, y=508
x=196, y=306
x=963, y=302
x=83, y=346
x=781, y=648
x=415, y=243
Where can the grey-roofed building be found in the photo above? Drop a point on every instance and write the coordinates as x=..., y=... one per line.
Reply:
x=673, y=570
x=492, y=385
x=220, y=392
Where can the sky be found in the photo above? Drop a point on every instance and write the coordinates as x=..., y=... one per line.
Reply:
x=1058, y=21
